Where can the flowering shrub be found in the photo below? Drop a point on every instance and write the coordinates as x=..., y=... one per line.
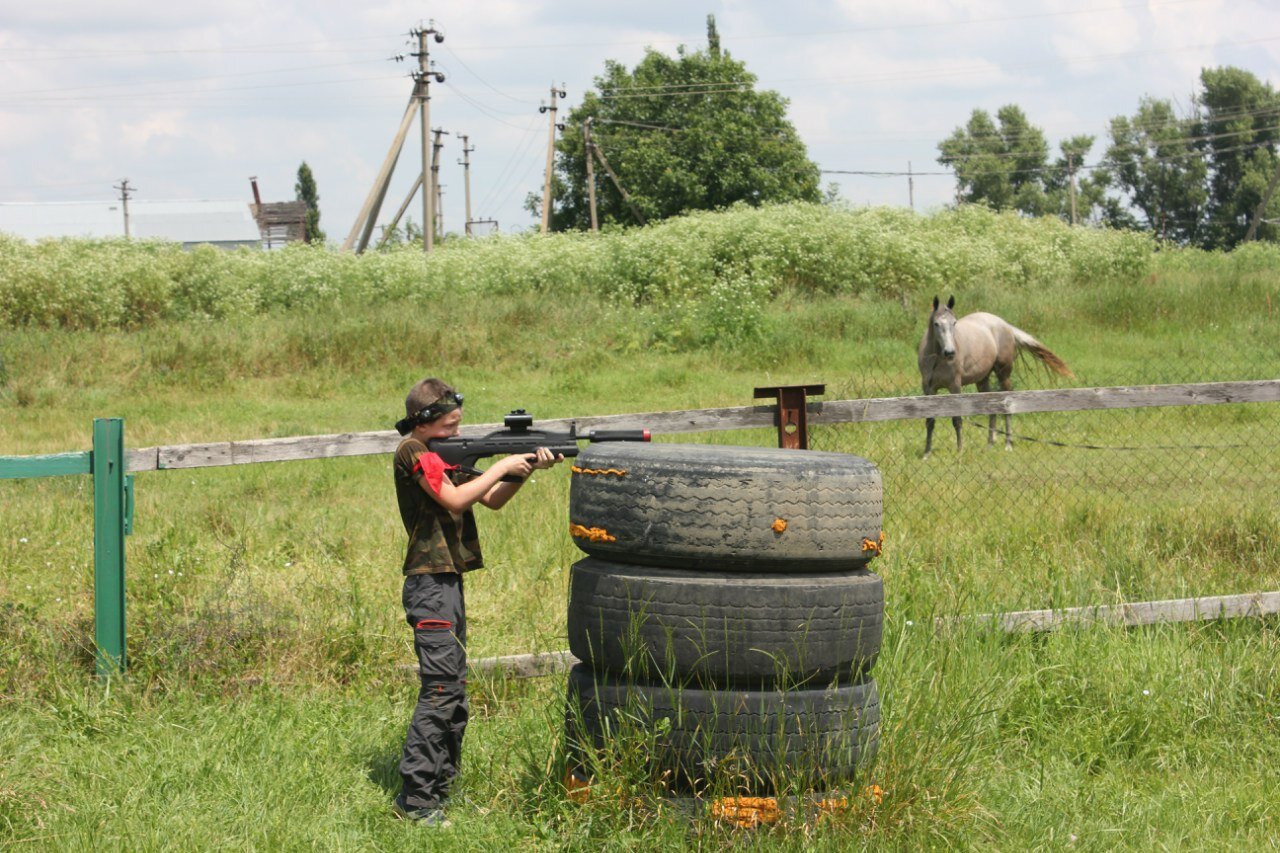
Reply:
x=714, y=270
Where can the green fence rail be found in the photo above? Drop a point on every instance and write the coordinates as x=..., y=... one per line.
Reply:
x=112, y=521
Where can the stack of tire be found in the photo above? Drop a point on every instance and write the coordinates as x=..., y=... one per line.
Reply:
x=726, y=606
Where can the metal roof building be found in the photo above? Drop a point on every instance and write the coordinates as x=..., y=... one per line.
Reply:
x=226, y=224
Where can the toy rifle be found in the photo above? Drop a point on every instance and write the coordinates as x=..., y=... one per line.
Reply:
x=520, y=437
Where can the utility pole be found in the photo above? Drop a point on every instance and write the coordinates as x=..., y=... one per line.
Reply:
x=591, y=172
x=440, y=210
x=424, y=77
x=466, y=179
x=125, y=189
x=551, y=147
x=436, y=145
x=388, y=230
x=911, y=188
x=1071, y=186
x=363, y=227
x=604, y=161
x=362, y=230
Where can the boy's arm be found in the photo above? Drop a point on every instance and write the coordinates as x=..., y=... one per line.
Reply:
x=498, y=495
x=458, y=499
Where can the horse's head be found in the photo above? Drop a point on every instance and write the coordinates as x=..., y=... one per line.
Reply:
x=942, y=328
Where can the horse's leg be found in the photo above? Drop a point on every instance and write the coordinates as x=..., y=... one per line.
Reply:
x=928, y=429
x=1006, y=384
x=985, y=385
x=957, y=422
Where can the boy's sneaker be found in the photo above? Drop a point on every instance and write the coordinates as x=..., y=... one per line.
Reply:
x=420, y=816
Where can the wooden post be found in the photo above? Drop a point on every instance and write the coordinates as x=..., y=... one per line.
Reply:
x=793, y=415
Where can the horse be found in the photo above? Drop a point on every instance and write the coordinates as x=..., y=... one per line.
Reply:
x=954, y=353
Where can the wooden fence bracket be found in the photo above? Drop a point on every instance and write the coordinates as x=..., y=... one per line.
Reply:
x=793, y=419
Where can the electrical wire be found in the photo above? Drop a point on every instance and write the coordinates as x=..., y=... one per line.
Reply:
x=714, y=86
x=727, y=37
x=63, y=54
x=481, y=108
x=64, y=89
x=482, y=80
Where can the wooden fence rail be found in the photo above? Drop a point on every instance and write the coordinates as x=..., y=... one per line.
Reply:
x=1129, y=615
x=738, y=417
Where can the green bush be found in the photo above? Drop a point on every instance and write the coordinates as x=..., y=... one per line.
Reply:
x=715, y=269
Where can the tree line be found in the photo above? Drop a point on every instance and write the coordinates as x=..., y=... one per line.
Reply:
x=1199, y=180
x=691, y=132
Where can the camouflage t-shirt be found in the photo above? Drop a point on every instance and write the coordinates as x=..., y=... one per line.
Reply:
x=439, y=541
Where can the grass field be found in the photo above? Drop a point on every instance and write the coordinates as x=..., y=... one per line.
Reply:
x=269, y=693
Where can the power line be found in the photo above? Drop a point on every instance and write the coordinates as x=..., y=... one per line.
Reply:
x=64, y=89
x=481, y=108
x=774, y=35
x=66, y=53
x=187, y=95
x=484, y=81
x=896, y=76
x=1206, y=154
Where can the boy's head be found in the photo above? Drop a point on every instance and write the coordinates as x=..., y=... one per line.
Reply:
x=428, y=400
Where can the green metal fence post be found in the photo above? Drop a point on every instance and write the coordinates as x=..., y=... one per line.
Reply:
x=108, y=544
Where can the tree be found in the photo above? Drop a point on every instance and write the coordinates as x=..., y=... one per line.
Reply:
x=1238, y=131
x=305, y=191
x=1001, y=166
x=681, y=133
x=1091, y=202
x=1154, y=161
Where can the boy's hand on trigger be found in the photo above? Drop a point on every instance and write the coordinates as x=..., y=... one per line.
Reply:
x=543, y=459
x=515, y=465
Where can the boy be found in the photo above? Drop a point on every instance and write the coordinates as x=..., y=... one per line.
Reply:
x=435, y=504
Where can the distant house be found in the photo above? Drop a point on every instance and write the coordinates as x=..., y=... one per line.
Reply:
x=281, y=222
x=226, y=224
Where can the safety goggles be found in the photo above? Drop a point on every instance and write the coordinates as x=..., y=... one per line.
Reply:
x=443, y=406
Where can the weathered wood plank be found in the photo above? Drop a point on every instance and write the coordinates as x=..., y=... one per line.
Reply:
x=52, y=465
x=1253, y=604
x=524, y=666
x=275, y=449
x=1027, y=402
x=739, y=417
x=295, y=448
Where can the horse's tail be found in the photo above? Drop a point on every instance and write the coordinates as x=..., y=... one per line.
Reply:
x=1029, y=344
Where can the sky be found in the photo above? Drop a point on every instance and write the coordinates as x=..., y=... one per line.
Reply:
x=188, y=100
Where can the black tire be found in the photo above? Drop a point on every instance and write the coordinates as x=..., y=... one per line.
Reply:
x=764, y=738
x=725, y=508
x=725, y=628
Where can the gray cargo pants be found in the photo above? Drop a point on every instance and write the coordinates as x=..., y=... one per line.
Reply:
x=436, y=610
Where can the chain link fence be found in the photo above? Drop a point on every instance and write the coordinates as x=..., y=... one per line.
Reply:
x=1180, y=473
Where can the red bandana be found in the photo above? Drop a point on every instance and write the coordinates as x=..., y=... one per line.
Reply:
x=431, y=466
